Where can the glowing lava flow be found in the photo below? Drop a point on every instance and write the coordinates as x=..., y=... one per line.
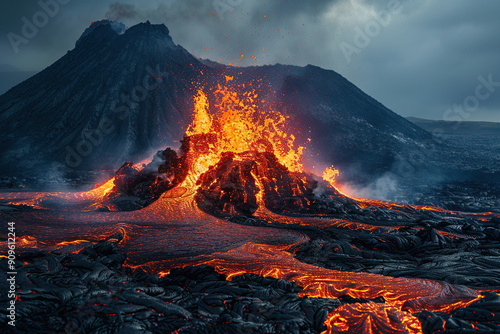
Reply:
x=403, y=295
x=371, y=318
x=407, y=294
x=83, y=200
x=330, y=176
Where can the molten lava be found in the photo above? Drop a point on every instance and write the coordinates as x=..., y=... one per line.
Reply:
x=235, y=159
x=239, y=125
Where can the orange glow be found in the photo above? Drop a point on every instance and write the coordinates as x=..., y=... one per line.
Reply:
x=237, y=126
x=274, y=261
x=84, y=200
x=371, y=318
x=330, y=174
x=264, y=214
x=74, y=242
x=163, y=273
x=27, y=241
x=202, y=122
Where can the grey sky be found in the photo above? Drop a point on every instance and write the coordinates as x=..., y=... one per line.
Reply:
x=420, y=61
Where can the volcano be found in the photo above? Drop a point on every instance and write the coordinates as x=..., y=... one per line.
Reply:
x=238, y=159
x=237, y=198
x=230, y=233
x=121, y=94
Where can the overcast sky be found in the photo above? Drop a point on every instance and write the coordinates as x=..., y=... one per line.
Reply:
x=424, y=59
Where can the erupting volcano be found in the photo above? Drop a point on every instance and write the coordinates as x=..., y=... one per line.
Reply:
x=236, y=159
x=232, y=234
x=240, y=163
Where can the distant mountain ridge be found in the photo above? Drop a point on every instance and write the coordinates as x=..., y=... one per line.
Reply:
x=119, y=95
x=11, y=78
x=458, y=128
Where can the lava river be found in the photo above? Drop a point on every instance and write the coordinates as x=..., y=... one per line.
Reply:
x=173, y=232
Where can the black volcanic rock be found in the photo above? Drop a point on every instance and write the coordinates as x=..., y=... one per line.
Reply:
x=134, y=189
x=94, y=292
x=229, y=187
x=232, y=187
x=119, y=95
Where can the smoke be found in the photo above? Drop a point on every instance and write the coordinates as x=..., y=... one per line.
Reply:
x=385, y=188
x=177, y=12
x=119, y=11
x=56, y=181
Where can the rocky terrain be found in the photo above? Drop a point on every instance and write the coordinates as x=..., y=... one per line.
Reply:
x=93, y=291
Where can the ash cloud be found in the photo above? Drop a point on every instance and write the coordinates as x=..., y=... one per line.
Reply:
x=119, y=11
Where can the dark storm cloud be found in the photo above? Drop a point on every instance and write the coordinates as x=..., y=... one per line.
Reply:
x=10, y=18
x=53, y=38
x=427, y=59
x=430, y=58
x=263, y=32
x=291, y=8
